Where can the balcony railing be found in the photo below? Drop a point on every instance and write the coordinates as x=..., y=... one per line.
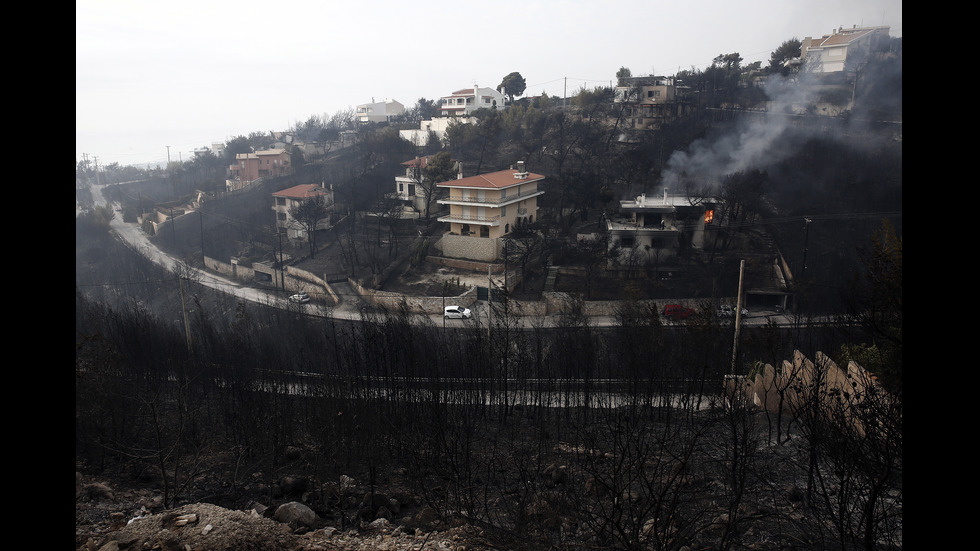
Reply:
x=490, y=200
x=477, y=220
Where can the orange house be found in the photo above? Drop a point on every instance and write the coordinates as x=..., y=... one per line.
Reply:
x=249, y=167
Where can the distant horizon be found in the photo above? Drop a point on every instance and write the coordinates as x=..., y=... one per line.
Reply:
x=185, y=74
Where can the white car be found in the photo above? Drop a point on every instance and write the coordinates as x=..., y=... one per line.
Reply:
x=300, y=298
x=727, y=311
x=457, y=312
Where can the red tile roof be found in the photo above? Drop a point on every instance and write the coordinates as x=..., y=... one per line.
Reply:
x=302, y=191
x=493, y=180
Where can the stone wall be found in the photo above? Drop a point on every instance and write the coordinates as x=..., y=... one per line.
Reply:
x=476, y=248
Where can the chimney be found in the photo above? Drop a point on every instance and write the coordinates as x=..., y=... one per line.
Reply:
x=521, y=172
x=665, y=195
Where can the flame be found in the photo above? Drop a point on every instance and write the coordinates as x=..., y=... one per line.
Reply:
x=709, y=215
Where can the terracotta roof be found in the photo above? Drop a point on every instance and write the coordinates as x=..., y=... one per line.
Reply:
x=840, y=38
x=302, y=191
x=493, y=180
x=418, y=161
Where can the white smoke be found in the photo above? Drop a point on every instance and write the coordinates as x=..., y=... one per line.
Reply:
x=754, y=143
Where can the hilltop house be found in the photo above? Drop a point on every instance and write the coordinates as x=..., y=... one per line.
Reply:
x=437, y=125
x=249, y=167
x=381, y=111
x=464, y=102
x=841, y=50
x=284, y=201
x=412, y=188
x=649, y=102
x=649, y=228
x=484, y=208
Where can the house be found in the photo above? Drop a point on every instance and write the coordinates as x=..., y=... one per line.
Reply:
x=649, y=102
x=411, y=189
x=381, y=111
x=652, y=228
x=841, y=50
x=283, y=202
x=486, y=207
x=436, y=125
x=249, y=167
x=464, y=102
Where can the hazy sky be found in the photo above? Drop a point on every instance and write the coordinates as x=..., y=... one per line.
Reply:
x=185, y=74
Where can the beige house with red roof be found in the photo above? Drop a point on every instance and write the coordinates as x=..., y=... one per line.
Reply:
x=284, y=201
x=486, y=207
x=840, y=50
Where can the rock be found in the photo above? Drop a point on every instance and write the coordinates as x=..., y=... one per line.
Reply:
x=97, y=490
x=183, y=520
x=291, y=486
x=168, y=541
x=346, y=484
x=296, y=514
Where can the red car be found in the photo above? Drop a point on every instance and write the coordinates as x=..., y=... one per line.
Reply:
x=677, y=312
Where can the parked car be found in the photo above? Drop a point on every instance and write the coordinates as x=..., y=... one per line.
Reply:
x=457, y=312
x=676, y=312
x=728, y=311
x=300, y=298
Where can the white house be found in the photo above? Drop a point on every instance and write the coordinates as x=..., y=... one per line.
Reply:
x=437, y=125
x=833, y=52
x=381, y=111
x=464, y=102
x=656, y=227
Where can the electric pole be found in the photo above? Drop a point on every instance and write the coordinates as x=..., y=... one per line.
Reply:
x=738, y=314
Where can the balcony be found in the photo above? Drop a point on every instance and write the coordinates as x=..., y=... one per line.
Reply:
x=474, y=220
x=490, y=201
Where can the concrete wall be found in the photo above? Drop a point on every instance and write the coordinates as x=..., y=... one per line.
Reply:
x=293, y=279
x=473, y=248
x=417, y=305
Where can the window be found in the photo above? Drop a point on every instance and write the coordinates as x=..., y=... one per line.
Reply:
x=281, y=201
x=626, y=242
x=503, y=210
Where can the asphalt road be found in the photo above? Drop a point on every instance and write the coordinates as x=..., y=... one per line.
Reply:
x=482, y=313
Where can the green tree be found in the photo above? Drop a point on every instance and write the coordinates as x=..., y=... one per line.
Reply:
x=621, y=75
x=235, y=146
x=424, y=109
x=791, y=49
x=513, y=85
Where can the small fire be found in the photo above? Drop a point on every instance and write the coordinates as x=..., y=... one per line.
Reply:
x=709, y=215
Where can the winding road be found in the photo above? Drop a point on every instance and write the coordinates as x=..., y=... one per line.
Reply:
x=138, y=240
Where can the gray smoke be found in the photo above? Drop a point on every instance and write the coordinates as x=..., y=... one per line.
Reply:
x=754, y=143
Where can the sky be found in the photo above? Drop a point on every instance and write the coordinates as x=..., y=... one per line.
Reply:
x=156, y=80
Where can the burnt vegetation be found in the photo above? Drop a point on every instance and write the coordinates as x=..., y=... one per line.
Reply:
x=616, y=437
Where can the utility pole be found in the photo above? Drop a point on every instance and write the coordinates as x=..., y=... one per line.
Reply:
x=173, y=226
x=738, y=314
x=183, y=305
x=200, y=218
x=489, y=299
